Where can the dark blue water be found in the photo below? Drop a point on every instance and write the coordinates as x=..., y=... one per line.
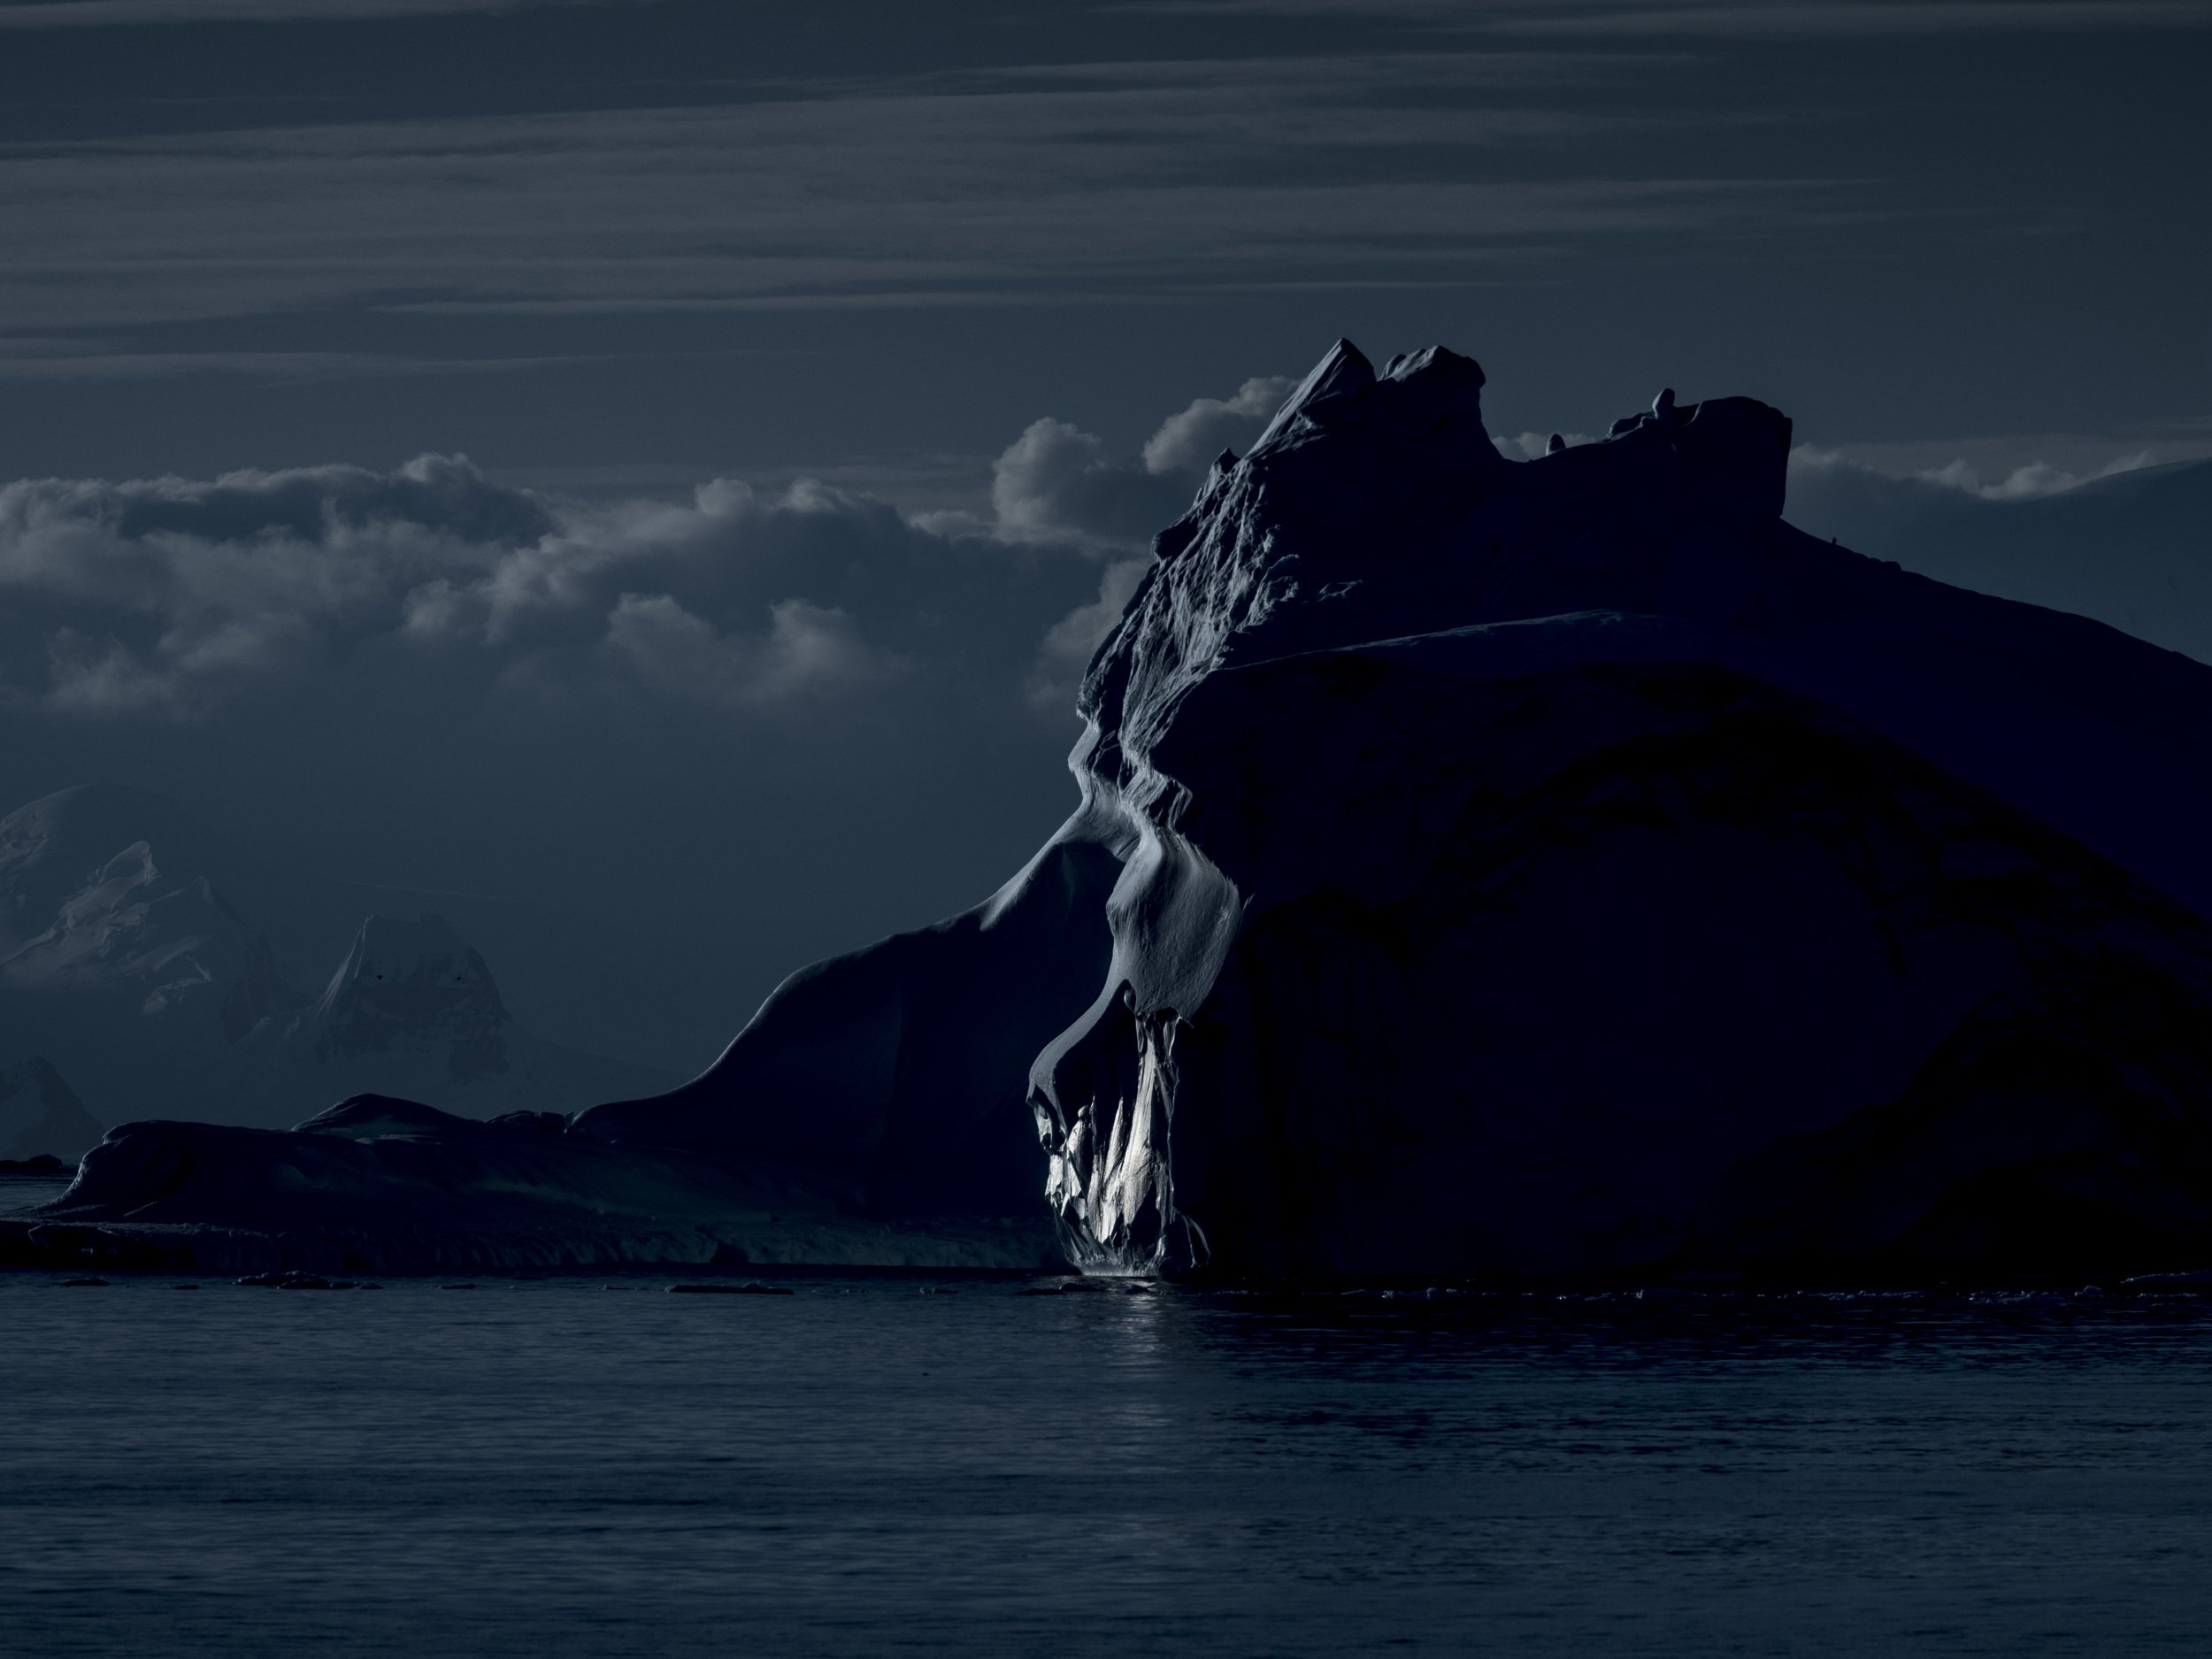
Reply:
x=576, y=1467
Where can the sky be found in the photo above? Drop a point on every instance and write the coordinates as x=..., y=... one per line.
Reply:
x=660, y=466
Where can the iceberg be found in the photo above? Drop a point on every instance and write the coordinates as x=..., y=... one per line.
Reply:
x=1493, y=869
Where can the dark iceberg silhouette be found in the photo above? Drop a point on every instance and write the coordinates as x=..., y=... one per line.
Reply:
x=1483, y=868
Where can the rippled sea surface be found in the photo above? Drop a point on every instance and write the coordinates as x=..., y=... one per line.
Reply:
x=892, y=1466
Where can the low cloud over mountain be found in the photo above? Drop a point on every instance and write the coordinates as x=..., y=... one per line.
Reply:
x=165, y=598
x=445, y=681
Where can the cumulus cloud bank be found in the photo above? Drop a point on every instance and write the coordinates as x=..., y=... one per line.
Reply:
x=167, y=597
x=1187, y=441
x=2026, y=481
x=1058, y=483
x=807, y=646
x=2023, y=483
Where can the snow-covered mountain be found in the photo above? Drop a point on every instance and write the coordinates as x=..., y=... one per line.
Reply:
x=126, y=963
x=413, y=987
x=40, y=1114
x=413, y=1011
x=1483, y=868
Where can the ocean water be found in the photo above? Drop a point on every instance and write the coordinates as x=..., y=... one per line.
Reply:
x=588, y=1467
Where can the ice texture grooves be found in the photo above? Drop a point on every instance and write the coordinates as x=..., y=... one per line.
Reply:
x=1568, y=867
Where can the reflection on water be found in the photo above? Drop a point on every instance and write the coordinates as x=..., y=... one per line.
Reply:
x=572, y=1467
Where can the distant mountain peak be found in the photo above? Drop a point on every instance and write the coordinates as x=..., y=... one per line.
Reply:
x=414, y=983
x=163, y=939
x=132, y=951
x=41, y=1113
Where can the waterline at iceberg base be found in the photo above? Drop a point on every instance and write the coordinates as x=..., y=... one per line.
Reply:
x=1488, y=870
